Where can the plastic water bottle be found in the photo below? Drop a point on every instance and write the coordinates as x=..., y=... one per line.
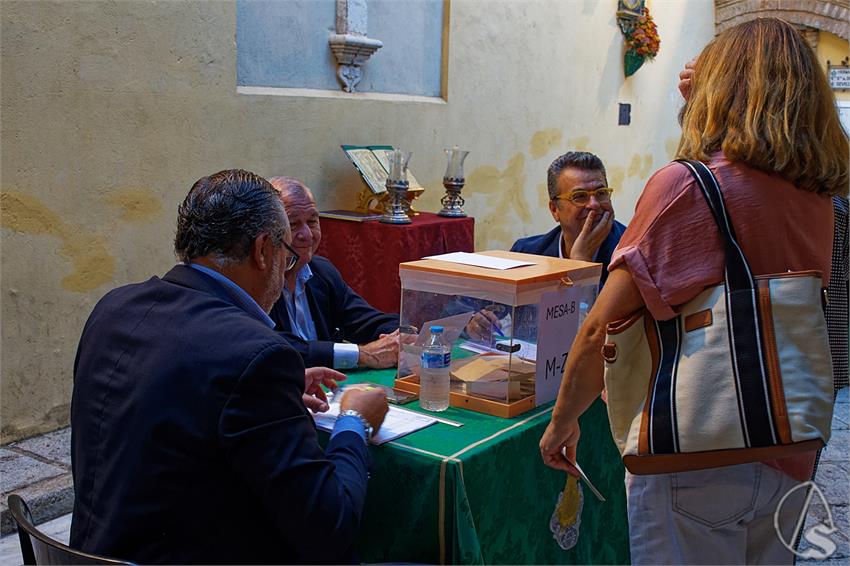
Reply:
x=434, y=373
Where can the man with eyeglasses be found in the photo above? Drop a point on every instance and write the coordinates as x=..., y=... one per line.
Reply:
x=191, y=438
x=580, y=202
x=318, y=313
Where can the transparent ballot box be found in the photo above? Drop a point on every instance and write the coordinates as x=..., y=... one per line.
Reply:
x=509, y=330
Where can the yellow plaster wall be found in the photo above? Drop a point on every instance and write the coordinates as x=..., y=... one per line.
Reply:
x=835, y=50
x=110, y=110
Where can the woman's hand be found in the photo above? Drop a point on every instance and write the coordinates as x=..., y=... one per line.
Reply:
x=685, y=78
x=558, y=446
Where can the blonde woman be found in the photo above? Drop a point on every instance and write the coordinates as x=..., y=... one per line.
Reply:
x=761, y=115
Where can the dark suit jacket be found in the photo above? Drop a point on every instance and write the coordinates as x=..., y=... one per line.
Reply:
x=338, y=313
x=547, y=244
x=190, y=441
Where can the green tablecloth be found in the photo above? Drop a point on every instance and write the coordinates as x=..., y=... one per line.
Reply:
x=481, y=494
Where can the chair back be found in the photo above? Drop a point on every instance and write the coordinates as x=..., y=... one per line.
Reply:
x=38, y=548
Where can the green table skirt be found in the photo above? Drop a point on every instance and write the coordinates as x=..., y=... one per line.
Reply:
x=480, y=493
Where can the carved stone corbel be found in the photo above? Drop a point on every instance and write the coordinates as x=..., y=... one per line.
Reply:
x=350, y=45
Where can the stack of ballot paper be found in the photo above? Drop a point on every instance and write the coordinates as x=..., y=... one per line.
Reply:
x=494, y=376
x=398, y=422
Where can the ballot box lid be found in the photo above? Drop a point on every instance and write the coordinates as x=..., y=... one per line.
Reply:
x=515, y=286
x=544, y=268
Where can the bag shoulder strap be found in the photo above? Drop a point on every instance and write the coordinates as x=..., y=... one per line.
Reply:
x=738, y=273
x=743, y=322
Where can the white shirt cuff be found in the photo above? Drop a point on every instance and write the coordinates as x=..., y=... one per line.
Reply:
x=346, y=355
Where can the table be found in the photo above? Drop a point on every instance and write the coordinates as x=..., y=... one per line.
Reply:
x=481, y=494
x=368, y=253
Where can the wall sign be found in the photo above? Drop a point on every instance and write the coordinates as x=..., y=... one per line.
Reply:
x=839, y=75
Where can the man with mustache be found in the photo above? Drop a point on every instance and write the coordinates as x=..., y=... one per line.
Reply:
x=580, y=202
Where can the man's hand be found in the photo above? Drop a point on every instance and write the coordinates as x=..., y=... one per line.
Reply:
x=685, y=78
x=314, y=396
x=558, y=446
x=369, y=402
x=380, y=354
x=482, y=325
x=591, y=237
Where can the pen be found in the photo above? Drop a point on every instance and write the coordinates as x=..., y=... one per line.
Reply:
x=497, y=330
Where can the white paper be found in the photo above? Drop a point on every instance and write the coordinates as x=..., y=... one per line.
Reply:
x=557, y=324
x=480, y=260
x=397, y=423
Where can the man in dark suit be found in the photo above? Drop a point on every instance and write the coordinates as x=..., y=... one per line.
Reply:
x=191, y=438
x=319, y=314
x=580, y=202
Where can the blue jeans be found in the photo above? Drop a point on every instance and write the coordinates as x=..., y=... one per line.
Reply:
x=715, y=516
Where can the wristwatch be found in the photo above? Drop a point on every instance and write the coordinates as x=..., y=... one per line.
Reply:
x=367, y=428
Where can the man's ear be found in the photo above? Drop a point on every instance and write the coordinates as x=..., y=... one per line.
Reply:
x=553, y=209
x=261, y=251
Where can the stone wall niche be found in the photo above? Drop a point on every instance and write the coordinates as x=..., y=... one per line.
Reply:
x=350, y=44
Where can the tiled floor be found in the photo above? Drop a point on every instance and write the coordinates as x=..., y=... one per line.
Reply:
x=833, y=479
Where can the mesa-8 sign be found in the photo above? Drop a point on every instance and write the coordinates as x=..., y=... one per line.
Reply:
x=557, y=324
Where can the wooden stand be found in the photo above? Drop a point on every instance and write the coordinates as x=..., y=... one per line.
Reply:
x=502, y=409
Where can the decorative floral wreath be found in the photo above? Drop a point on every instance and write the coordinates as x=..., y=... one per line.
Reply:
x=642, y=41
x=643, y=37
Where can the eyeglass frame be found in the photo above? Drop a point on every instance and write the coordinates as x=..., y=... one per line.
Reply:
x=291, y=255
x=590, y=193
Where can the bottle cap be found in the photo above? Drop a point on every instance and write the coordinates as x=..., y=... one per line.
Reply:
x=436, y=329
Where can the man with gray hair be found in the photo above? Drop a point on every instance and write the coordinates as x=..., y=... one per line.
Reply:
x=319, y=314
x=580, y=202
x=191, y=437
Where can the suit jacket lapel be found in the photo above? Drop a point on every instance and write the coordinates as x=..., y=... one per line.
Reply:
x=553, y=241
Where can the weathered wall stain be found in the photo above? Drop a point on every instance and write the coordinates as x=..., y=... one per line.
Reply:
x=542, y=195
x=580, y=143
x=640, y=166
x=136, y=205
x=87, y=252
x=544, y=140
x=506, y=198
x=24, y=213
x=93, y=265
x=616, y=175
x=671, y=146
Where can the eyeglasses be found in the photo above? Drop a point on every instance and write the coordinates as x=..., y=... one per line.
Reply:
x=581, y=198
x=292, y=257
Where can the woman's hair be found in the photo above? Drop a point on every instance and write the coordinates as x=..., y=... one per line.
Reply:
x=759, y=95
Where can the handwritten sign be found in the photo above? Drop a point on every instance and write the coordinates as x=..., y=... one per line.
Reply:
x=557, y=324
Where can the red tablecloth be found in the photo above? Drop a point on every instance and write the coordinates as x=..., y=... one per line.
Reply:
x=368, y=253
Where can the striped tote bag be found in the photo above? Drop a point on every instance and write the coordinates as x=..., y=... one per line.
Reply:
x=742, y=374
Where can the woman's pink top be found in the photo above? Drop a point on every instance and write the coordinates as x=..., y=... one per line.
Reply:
x=673, y=248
